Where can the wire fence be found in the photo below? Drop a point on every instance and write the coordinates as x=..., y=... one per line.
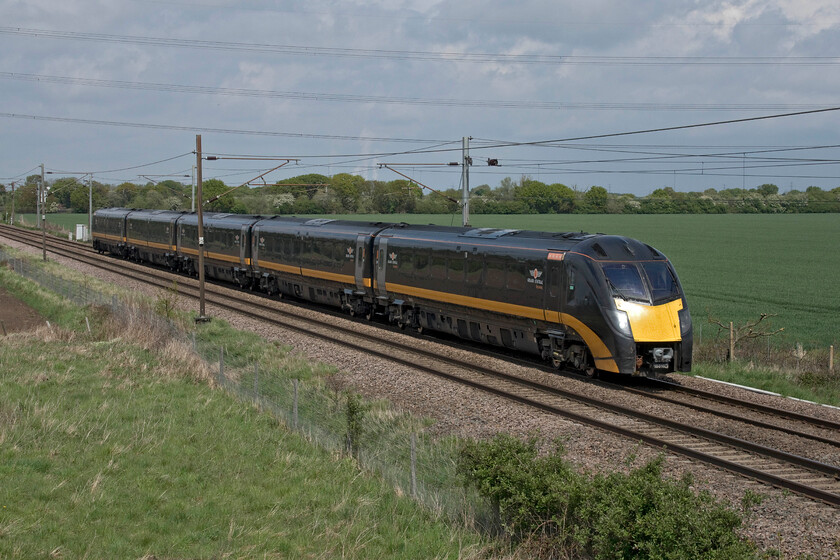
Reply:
x=384, y=442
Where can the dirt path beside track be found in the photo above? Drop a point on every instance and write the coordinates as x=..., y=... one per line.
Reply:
x=16, y=316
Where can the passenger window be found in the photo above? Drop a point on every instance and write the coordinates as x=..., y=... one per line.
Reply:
x=438, y=267
x=405, y=264
x=495, y=273
x=516, y=279
x=456, y=267
x=421, y=264
x=474, y=269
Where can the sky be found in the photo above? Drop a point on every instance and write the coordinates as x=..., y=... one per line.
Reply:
x=566, y=92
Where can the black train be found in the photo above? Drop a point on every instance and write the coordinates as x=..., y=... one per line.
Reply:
x=586, y=302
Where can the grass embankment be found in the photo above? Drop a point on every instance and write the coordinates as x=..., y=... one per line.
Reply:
x=115, y=444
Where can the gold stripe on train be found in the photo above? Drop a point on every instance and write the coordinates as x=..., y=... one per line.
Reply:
x=602, y=355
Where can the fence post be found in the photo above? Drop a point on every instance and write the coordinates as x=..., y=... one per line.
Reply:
x=731, y=341
x=831, y=359
x=295, y=405
x=256, y=379
x=221, y=364
x=413, y=465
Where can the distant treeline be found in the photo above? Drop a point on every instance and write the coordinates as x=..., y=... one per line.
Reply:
x=348, y=194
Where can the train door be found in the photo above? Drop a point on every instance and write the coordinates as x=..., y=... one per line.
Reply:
x=553, y=295
x=255, y=247
x=381, y=266
x=172, y=230
x=361, y=255
x=555, y=272
x=243, y=245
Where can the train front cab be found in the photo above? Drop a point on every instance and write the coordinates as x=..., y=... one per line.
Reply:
x=631, y=315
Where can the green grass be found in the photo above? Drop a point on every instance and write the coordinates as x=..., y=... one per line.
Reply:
x=805, y=384
x=108, y=452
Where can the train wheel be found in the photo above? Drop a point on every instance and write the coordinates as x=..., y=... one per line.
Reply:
x=591, y=372
x=420, y=329
x=556, y=363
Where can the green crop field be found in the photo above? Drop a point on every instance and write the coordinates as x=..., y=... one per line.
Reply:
x=733, y=267
x=65, y=221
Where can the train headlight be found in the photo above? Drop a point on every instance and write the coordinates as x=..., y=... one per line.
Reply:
x=685, y=321
x=621, y=321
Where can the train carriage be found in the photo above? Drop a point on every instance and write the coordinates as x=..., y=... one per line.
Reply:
x=551, y=294
x=109, y=231
x=227, y=246
x=482, y=284
x=150, y=236
x=320, y=260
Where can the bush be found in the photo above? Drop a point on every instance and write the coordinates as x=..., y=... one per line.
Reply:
x=544, y=502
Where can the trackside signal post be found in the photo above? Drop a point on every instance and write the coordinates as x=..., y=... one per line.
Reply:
x=201, y=316
x=465, y=164
x=465, y=180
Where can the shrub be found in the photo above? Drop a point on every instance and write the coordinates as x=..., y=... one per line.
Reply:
x=543, y=501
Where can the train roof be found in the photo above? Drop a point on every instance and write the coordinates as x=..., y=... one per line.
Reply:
x=327, y=226
x=598, y=246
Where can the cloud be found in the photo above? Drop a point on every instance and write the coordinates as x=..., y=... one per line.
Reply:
x=386, y=48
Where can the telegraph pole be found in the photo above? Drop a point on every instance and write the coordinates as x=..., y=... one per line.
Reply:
x=13, y=202
x=43, y=190
x=465, y=180
x=192, y=204
x=90, y=206
x=201, y=317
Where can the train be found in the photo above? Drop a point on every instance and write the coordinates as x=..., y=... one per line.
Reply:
x=590, y=303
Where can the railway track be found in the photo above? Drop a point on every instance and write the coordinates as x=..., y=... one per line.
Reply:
x=808, y=477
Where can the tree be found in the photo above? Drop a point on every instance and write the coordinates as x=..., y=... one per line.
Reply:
x=767, y=189
x=26, y=198
x=61, y=189
x=347, y=189
x=545, y=199
x=595, y=200
x=309, y=184
x=399, y=196
x=123, y=194
x=216, y=187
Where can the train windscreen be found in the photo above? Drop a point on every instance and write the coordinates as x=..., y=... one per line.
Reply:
x=649, y=282
x=663, y=285
x=625, y=281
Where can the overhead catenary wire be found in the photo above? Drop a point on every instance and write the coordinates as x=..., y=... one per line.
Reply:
x=438, y=56
x=392, y=100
